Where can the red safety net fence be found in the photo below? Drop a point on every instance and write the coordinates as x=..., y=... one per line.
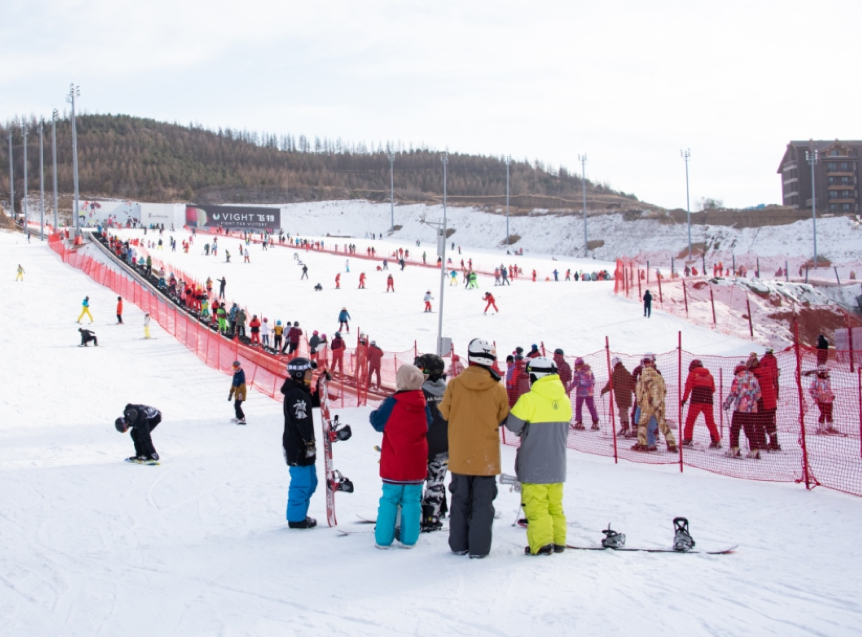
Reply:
x=355, y=371
x=808, y=454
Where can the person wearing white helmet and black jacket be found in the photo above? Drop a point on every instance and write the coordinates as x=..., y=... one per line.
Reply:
x=141, y=419
x=541, y=419
x=298, y=440
x=475, y=406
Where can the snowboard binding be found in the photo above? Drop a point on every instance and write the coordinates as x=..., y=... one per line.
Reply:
x=340, y=483
x=613, y=539
x=339, y=431
x=682, y=540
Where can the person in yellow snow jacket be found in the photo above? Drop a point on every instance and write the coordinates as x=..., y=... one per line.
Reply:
x=541, y=419
x=147, y=325
x=20, y=276
x=85, y=305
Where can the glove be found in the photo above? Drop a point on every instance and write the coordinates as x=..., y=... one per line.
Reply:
x=310, y=449
x=229, y=397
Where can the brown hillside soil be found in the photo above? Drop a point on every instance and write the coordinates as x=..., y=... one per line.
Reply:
x=6, y=222
x=814, y=321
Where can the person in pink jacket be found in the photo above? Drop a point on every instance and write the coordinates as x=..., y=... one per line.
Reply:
x=584, y=383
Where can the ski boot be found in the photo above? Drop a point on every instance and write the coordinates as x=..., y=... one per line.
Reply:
x=595, y=427
x=578, y=426
x=548, y=549
x=715, y=444
x=340, y=483
x=688, y=442
x=733, y=452
x=682, y=540
x=307, y=523
x=613, y=539
x=623, y=432
x=754, y=454
x=430, y=521
x=672, y=448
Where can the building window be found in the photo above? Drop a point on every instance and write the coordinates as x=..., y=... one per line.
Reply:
x=844, y=180
x=833, y=194
x=833, y=207
x=830, y=180
x=845, y=165
x=846, y=207
x=831, y=165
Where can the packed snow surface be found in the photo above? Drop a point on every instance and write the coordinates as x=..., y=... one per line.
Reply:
x=199, y=545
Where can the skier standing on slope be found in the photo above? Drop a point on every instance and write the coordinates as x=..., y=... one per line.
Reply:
x=564, y=370
x=254, y=326
x=651, y=391
x=403, y=418
x=313, y=344
x=519, y=383
x=491, y=303
x=304, y=272
x=475, y=406
x=20, y=275
x=361, y=282
x=700, y=385
x=428, y=298
x=293, y=337
x=265, y=331
x=147, y=325
x=85, y=309
x=344, y=320
x=434, y=500
x=743, y=396
x=298, y=441
x=390, y=284
x=541, y=419
x=238, y=392
x=647, y=304
x=337, y=347
x=119, y=310
x=338, y=281
x=375, y=358
x=821, y=392
x=141, y=419
x=769, y=376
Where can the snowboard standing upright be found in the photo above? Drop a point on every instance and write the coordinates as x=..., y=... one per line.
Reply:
x=332, y=432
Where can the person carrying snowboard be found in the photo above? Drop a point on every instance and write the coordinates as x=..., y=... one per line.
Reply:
x=298, y=441
x=403, y=418
x=141, y=419
x=85, y=309
x=475, y=405
x=541, y=419
x=238, y=392
x=87, y=336
x=490, y=302
x=434, y=499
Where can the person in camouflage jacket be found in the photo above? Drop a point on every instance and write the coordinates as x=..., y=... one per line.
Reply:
x=650, y=393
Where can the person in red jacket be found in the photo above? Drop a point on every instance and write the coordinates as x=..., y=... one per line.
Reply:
x=338, y=281
x=534, y=276
x=564, y=370
x=337, y=347
x=403, y=418
x=119, y=310
x=375, y=357
x=390, y=283
x=490, y=302
x=255, y=330
x=766, y=373
x=293, y=337
x=520, y=381
x=769, y=394
x=700, y=386
x=361, y=281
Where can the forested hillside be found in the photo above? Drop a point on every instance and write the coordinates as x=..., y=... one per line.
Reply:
x=145, y=160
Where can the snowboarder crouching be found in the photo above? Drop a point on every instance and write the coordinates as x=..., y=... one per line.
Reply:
x=541, y=419
x=141, y=419
x=87, y=336
x=403, y=418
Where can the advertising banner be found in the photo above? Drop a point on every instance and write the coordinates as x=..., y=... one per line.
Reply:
x=233, y=217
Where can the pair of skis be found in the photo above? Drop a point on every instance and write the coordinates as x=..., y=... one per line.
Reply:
x=332, y=432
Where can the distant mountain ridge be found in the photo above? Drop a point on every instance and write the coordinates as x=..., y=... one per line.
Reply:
x=142, y=159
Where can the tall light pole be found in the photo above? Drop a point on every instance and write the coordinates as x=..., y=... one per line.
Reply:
x=685, y=154
x=26, y=207
x=11, y=178
x=41, y=181
x=391, y=156
x=508, y=161
x=811, y=157
x=583, y=160
x=54, y=117
x=445, y=159
x=75, y=91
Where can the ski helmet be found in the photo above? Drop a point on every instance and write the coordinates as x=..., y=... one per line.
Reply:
x=298, y=366
x=615, y=361
x=559, y=351
x=481, y=352
x=694, y=364
x=121, y=424
x=649, y=357
x=338, y=335
x=539, y=367
x=579, y=361
x=236, y=364
x=314, y=333
x=278, y=322
x=430, y=364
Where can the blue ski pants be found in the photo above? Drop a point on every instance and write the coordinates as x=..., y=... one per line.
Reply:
x=408, y=497
x=652, y=427
x=303, y=483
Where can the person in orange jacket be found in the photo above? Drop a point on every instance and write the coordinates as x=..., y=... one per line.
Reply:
x=119, y=310
x=361, y=281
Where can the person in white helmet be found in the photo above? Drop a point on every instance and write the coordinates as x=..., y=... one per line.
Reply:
x=475, y=405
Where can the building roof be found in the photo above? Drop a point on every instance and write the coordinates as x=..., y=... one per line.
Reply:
x=819, y=145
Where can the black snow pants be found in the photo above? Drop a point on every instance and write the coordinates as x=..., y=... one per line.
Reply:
x=143, y=442
x=471, y=516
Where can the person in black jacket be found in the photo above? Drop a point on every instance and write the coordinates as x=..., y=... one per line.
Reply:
x=822, y=349
x=87, y=336
x=298, y=441
x=434, y=499
x=141, y=419
x=647, y=304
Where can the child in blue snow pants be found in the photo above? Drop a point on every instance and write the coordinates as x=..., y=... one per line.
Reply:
x=652, y=427
x=303, y=484
x=409, y=498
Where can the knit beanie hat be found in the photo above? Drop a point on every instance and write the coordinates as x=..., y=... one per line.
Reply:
x=409, y=377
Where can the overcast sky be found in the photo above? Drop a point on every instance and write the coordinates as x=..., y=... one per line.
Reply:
x=628, y=82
